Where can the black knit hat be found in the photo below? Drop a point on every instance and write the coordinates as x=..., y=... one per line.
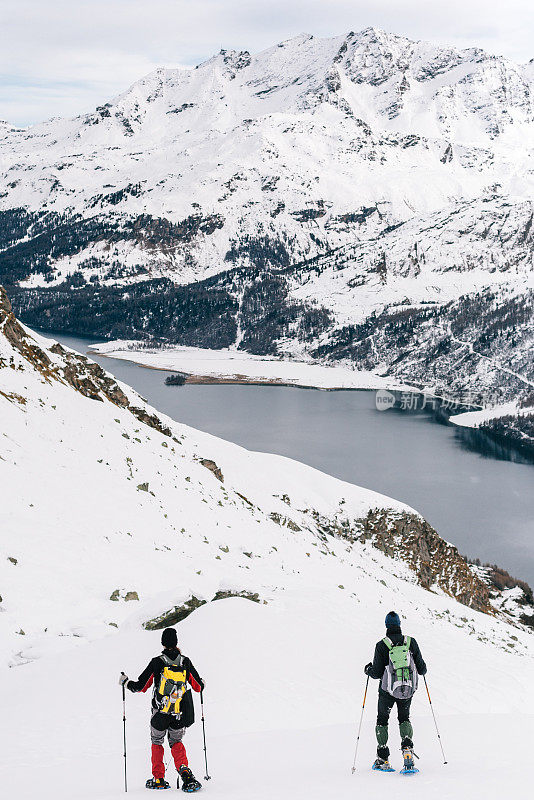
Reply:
x=169, y=638
x=393, y=620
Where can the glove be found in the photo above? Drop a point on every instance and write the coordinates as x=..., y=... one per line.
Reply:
x=123, y=680
x=368, y=667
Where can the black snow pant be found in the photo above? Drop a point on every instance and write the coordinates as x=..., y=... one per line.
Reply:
x=385, y=704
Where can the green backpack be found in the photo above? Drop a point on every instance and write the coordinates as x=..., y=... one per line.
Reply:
x=400, y=677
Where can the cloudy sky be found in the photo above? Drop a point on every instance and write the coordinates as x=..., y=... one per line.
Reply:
x=64, y=57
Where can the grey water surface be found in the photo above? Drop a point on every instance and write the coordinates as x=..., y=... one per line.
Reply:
x=482, y=505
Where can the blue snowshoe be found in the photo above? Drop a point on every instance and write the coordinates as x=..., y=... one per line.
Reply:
x=409, y=767
x=189, y=782
x=382, y=765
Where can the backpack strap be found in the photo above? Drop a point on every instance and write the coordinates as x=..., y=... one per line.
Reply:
x=408, y=641
x=387, y=641
x=169, y=662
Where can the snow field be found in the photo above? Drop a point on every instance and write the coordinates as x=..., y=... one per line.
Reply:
x=284, y=677
x=283, y=695
x=230, y=364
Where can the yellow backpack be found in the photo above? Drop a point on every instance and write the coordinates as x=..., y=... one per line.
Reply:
x=172, y=686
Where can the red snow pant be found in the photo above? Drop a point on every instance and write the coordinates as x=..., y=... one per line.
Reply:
x=161, y=725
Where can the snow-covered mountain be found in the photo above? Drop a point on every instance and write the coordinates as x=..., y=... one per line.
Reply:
x=115, y=518
x=363, y=197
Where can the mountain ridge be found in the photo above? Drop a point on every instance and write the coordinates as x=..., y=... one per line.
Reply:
x=285, y=201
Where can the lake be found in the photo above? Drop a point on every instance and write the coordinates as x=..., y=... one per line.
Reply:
x=482, y=505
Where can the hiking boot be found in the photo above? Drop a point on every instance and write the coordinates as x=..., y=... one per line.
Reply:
x=157, y=783
x=407, y=754
x=383, y=765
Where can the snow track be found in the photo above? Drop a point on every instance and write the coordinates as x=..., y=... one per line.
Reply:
x=284, y=687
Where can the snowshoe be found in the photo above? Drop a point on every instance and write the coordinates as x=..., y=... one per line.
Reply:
x=383, y=765
x=157, y=783
x=409, y=767
x=189, y=782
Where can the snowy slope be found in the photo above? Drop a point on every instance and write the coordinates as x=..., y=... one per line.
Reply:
x=101, y=497
x=89, y=471
x=288, y=733
x=306, y=122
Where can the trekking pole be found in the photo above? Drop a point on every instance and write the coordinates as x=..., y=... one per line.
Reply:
x=207, y=776
x=435, y=723
x=124, y=731
x=360, y=727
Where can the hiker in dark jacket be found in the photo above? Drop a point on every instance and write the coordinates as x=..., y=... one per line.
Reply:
x=172, y=709
x=381, y=670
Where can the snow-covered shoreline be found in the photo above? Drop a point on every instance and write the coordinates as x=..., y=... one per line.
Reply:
x=472, y=419
x=232, y=366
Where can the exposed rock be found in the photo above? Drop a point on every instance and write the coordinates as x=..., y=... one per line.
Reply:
x=5, y=305
x=174, y=615
x=212, y=466
x=131, y=596
x=285, y=521
x=150, y=419
x=409, y=538
x=254, y=596
x=78, y=371
x=17, y=338
x=435, y=562
x=114, y=595
x=179, y=613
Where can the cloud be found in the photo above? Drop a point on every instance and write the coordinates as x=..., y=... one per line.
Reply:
x=64, y=58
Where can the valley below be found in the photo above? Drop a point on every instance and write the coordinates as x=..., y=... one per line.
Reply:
x=482, y=505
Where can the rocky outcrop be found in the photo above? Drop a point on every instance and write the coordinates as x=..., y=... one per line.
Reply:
x=180, y=612
x=407, y=537
x=212, y=466
x=435, y=562
x=86, y=377
x=127, y=596
x=19, y=340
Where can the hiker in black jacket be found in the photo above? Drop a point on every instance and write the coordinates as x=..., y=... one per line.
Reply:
x=172, y=712
x=392, y=691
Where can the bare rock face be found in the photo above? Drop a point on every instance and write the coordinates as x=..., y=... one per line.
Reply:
x=5, y=305
x=86, y=377
x=174, y=615
x=180, y=612
x=436, y=563
x=408, y=538
x=18, y=339
x=212, y=466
